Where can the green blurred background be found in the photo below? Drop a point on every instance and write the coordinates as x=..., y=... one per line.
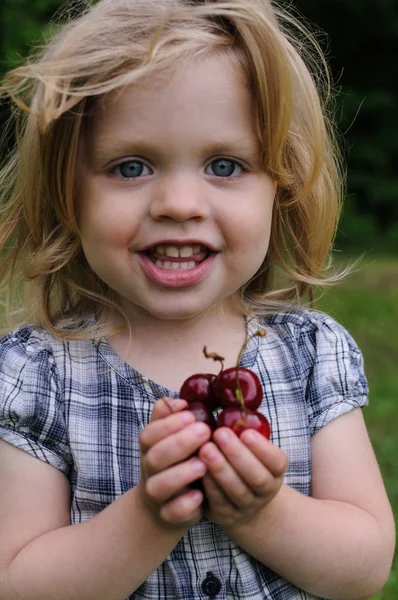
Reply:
x=360, y=38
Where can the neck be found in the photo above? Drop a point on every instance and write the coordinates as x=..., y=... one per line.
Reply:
x=169, y=351
x=142, y=324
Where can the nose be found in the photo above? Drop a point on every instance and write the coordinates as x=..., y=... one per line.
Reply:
x=180, y=197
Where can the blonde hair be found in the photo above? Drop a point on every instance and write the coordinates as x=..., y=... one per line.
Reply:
x=114, y=43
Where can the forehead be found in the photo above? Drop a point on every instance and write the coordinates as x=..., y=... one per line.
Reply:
x=210, y=94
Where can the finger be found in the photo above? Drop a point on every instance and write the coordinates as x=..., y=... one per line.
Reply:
x=176, y=447
x=166, y=484
x=214, y=493
x=184, y=508
x=270, y=455
x=167, y=406
x=253, y=472
x=225, y=476
x=162, y=428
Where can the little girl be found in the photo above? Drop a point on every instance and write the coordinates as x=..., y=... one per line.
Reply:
x=176, y=185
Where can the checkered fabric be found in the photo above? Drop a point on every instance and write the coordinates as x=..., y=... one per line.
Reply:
x=78, y=407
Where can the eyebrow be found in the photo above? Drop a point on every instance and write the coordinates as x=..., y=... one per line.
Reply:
x=105, y=148
x=248, y=146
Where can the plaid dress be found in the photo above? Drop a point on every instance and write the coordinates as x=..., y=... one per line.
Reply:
x=79, y=407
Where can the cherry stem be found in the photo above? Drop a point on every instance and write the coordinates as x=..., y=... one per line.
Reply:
x=238, y=391
x=242, y=422
x=215, y=357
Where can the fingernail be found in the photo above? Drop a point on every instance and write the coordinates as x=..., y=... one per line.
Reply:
x=186, y=416
x=196, y=496
x=198, y=466
x=200, y=429
x=223, y=436
x=251, y=436
x=210, y=452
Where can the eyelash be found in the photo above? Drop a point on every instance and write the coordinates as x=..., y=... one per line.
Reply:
x=241, y=166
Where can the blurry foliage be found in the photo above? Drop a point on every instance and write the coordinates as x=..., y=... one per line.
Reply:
x=361, y=43
x=22, y=25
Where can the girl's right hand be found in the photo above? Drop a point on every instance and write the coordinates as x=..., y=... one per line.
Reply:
x=167, y=465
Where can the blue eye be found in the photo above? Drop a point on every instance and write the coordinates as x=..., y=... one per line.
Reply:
x=131, y=169
x=224, y=167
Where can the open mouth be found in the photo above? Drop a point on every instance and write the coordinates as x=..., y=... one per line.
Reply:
x=178, y=258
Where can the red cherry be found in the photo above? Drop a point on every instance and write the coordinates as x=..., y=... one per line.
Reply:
x=203, y=413
x=238, y=420
x=225, y=388
x=199, y=388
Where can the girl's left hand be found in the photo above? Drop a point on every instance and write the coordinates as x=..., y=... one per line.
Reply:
x=243, y=475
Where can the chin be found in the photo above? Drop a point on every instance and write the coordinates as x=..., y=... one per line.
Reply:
x=174, y=310
x=176, y=315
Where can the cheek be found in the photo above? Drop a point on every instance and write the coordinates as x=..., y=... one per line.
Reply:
x=253, y=234
x=251, y=226
x=106, y=219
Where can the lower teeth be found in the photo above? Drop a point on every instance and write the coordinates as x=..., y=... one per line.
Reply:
x=174, y=266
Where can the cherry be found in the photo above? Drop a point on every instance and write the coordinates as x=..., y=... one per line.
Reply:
x=199, y=388
x=202, y=413
x=238, y=420
x=237, y=390
x=235, y=381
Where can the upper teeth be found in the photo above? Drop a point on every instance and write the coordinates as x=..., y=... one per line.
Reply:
x=178, y=251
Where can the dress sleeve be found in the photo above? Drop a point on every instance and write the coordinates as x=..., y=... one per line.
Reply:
x=336, y=382
x=31, y=408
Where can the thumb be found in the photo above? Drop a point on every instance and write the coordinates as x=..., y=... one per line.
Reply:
x=167, y=406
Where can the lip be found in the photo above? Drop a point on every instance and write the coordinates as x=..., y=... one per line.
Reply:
x=179, y=278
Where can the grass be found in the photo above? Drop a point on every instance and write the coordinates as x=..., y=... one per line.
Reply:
x=367, y=305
